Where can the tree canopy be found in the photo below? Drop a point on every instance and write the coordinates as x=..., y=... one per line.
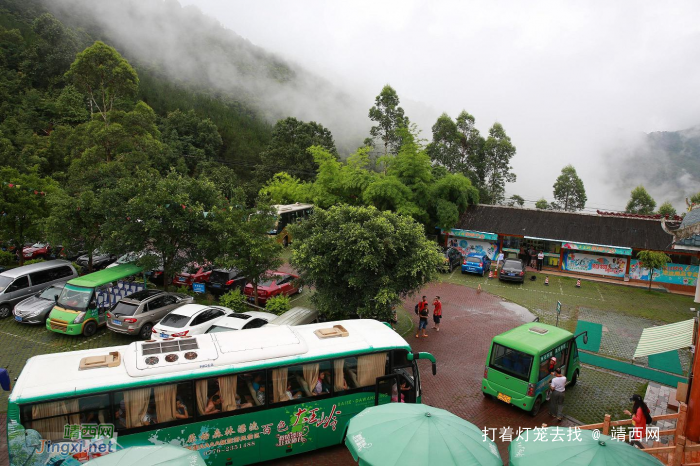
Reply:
x=640, y=202
x=652, y=260
x=666, y=209
x=388, y=117
x=569, y=192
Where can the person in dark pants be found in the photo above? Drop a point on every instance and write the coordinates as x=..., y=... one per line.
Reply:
x=423, y=317
x=540, y=260
x=437, y=313
x=556, y=402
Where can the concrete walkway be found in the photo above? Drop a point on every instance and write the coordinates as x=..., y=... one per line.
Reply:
x=661, y=400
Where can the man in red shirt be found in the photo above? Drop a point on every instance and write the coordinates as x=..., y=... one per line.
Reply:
x=437, y=313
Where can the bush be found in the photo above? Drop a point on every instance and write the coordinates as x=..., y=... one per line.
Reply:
x=7, y=258
x=234, y=300
x=33, y=261
x=78, y=268
x=186, y=290
x=278, y=305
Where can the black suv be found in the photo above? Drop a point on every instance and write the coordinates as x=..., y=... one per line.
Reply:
x=452, y=259
x=224, y=280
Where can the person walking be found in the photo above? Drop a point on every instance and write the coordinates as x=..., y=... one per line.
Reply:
x=540, y=260
x=437, y=313
x=499, y=261
x=423, y=317
x=557, y=385
x=640, y=413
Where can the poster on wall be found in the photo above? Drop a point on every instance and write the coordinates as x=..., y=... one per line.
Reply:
x=594, y=264
x=676, y=274
x=465, y=246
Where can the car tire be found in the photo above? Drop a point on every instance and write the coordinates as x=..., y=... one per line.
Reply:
x=90, y=328
x=450, y=268
x=536, y=407
x=574, y=379
x=145, y=331
x=5, y=311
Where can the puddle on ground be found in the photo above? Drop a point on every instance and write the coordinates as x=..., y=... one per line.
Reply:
x=518, y=310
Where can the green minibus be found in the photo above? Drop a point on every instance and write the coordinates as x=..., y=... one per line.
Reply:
x=520, y=362
x=83, y=303
x=237, y=398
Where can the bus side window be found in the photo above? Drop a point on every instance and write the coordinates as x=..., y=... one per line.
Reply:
x=53, y=420
x=362, y=371
x=230, y=392
x=148, y=406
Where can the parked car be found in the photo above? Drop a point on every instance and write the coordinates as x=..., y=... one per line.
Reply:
x=451, y=258
x=21, y=282
x=137, y=313
x=68, y=253
x=188, y=320
x=297, y=316
x=476, y=262
x=242, y=321
x=193, y=274
x=37, y=251
x=279, y=283
x=35, y=309
x=100, y=260
x=224, y=280
x=513, y=270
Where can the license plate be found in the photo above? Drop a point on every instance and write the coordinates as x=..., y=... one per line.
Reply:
x=182, y=279
x=216, y=285
x=164, y=335
x=503, y=397
x=18, y=318
x=116, y=322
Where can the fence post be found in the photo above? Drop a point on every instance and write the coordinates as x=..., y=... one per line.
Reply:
x=606, y=425
x=679, y=454
x=680, y=423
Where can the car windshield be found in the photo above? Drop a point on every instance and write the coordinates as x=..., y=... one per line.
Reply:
x=4, y=282
x=473, y=259
x=124, y=309
x=219, y=329
x=175, y=320
x=50, y=292
x=511, y=361
x=219, y=276
x=38, y=245
x=512, y=265
x=266, y=283
x=75, y=298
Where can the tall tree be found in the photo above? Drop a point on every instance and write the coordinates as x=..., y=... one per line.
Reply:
x=542, y=204
x=471, y=148
x=288, y=149
x=190, y=138
x=667, y=210
x=498, y=151
x=640, y=202
x=105, y=76
x=652, y=260
x=389, y=259
x=389, y=117
x=569, y=191
x=515, y=200
x=246, y=244
x=695, y=198
x=445, y=149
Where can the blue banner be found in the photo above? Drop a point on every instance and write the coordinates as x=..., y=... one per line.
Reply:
x=676, y=274
x=198, y=287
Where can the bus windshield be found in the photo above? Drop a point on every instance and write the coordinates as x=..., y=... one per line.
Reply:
x=75, y=298
x=511, y=361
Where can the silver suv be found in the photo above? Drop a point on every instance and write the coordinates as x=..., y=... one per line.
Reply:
x=137, y=313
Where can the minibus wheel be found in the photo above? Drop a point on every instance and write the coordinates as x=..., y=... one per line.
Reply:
x=536, y=407
x=574, y=379
x=90, y=328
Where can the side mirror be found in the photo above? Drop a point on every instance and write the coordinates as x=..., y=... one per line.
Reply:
x=585, y=339
x=55, y=298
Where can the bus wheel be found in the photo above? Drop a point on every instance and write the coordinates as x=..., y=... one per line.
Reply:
x=574, y=379
x=4, y=311
x=90, y=328
x=536, y=407
x=285, y=241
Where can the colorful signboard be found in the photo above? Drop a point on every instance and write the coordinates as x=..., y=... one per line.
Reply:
x=467, y=246
x=474, y=234
x=676, y=274
x=597, y=265
x=597, y=248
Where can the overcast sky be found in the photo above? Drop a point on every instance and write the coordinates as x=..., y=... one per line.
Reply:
x=567, y=80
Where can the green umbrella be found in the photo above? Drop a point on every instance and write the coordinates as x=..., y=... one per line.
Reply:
x=588, y=448
x=150, y=456
x=408, y=434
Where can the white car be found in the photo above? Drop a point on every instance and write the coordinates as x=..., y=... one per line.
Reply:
x=242, y=321
x=188, y=320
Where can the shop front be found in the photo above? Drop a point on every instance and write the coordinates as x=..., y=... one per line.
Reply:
x=519, y=246
x=468, y=241
x=595, y=259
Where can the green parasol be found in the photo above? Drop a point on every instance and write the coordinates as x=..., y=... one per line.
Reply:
x=408, y=434
x=150, y=456
x=588, y=448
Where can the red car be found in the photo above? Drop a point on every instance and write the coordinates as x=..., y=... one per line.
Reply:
x=193, y=274
x=279, y=283
x=37, y=251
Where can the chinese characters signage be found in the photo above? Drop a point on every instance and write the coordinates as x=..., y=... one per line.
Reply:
x=677, y=274
x=473, y=234
x=596, y=248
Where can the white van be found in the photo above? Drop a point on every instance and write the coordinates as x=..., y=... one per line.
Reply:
x=21, y=282
x=297, y=316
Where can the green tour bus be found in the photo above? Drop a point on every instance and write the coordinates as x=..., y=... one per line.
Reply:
x=83, y=303
x=235, y=397
x=520, y=362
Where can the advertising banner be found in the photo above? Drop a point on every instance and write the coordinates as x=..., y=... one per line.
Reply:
x=473, y=234
x=465, y=246
x=597, y=265
x=676, y=274
x=597, y=248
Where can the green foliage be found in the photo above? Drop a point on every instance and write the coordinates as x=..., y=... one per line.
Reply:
x=569, y=191
x=190, y=137
x=33, y=261
x=695, y=199
x=362, y=261
x=497, y=153
x=457, y=146
x=7, y=258
x=278, y=305
x=652, y=260
x=640, y=202
x=234, y=300
x=666, y=209
x=246, y=245
x=515, y=200
x=389, y=117
x=186, y=290
x=542, y=204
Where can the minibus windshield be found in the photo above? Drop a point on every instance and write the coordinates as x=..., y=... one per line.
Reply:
x=511, y=361
x=75, y=298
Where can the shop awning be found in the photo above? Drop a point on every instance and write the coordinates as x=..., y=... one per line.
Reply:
x=655, y=340
x=597, y=248
x=473, y=234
